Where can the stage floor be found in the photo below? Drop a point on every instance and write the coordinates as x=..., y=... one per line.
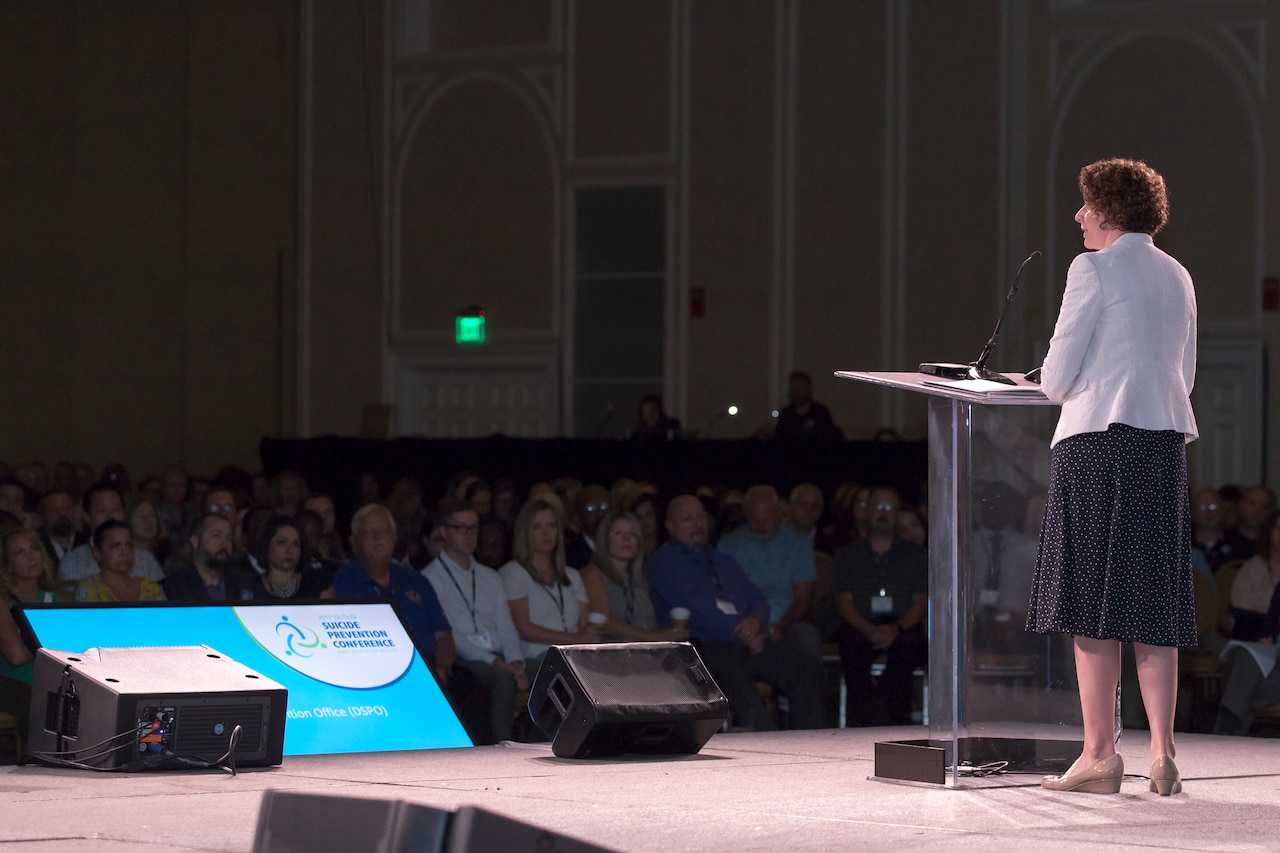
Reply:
x=743, y=792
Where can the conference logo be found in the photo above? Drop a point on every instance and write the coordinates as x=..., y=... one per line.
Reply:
x=346, y=645
x=298, y=640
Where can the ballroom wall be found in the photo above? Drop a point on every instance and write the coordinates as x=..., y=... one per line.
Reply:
x=147, y=239
x=259, y=218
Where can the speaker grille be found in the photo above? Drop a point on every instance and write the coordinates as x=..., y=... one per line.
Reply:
x=638, y=678
x=205, y=730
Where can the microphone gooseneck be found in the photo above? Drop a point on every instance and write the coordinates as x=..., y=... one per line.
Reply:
x=978, y=369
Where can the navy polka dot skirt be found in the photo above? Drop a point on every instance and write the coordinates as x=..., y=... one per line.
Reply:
x=1115, y=548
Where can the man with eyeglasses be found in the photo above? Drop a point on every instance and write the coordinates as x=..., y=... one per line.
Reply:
x=881, y=588
x=593, y=506
x=475, y=603
x=590, y=505
x=374, y=573
x=220, y=501
x=1208, y=535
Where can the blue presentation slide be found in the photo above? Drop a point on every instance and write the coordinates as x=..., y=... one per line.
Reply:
x=356, y=682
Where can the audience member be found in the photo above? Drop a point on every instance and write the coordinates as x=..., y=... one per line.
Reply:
x=1004, y=562
x=724, y=517
x=328, y=545
x=494, y=545
x=862, y=513
x=407, y=507
x=1246, y=685
x=881, y=588
x=475, y=602
x=1208, y=533
x=197, y=491
x=369, y=491
x=430, y=539
x=149, y=533
x=911, y=527
x=27, y=574
x=623, y=493
x=840, y=531
x=172, y=506
x=103, y=502
x=1230, y=495
x=63, y=475
x=34, y=478
x=282, y=550
x=219, y=500
x=728, y=619
x=288, y=491
x=209, y=576
x=1256, y=582
x=615, y=584
x=804, y=417
x=567, y=487
x=312, y=527
x=456, y=489
x=480, y=497
x=779, y=563
x=806, y=505
x=113, y=553
x=374, y=574
x=652, y=421
x=546, y=597
x=648, y=509
x=13, y=499
x=504, y=499
x=57, y=514
x=260, y=490
x=82, y=477
x=1256, y=504
x=149, y=489
x=117, y=475
x=592, y=505
x=251, y=527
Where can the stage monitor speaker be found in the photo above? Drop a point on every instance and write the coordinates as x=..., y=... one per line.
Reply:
x=292, y=822
x=619, y=698
x=153, y=708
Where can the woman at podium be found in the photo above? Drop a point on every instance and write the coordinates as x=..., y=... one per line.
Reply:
x=1114, y=564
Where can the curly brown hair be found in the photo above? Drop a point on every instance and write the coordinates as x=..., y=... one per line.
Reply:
x=1129, y=194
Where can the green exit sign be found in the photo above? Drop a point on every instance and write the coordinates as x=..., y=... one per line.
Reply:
x=469, y=327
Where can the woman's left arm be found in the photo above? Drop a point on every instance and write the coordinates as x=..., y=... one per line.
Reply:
x=1189, y=353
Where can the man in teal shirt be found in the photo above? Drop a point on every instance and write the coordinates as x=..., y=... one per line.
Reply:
x=779, y=562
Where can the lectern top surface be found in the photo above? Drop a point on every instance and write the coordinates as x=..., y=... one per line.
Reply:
x=1021, y=393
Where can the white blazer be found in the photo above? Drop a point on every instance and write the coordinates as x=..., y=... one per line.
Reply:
x=1124, y=348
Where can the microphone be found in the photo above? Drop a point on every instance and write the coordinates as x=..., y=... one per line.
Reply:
x=978, y=369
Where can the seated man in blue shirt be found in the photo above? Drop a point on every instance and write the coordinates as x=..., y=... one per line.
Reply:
x=779, y=563
x=729, y=621
x=372, y=574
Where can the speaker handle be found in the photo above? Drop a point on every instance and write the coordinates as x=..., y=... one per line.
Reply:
x=555, y=695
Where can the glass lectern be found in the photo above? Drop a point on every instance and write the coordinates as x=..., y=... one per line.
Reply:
x=998, y=697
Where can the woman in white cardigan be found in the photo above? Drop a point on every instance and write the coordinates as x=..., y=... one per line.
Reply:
x=1114, y=563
